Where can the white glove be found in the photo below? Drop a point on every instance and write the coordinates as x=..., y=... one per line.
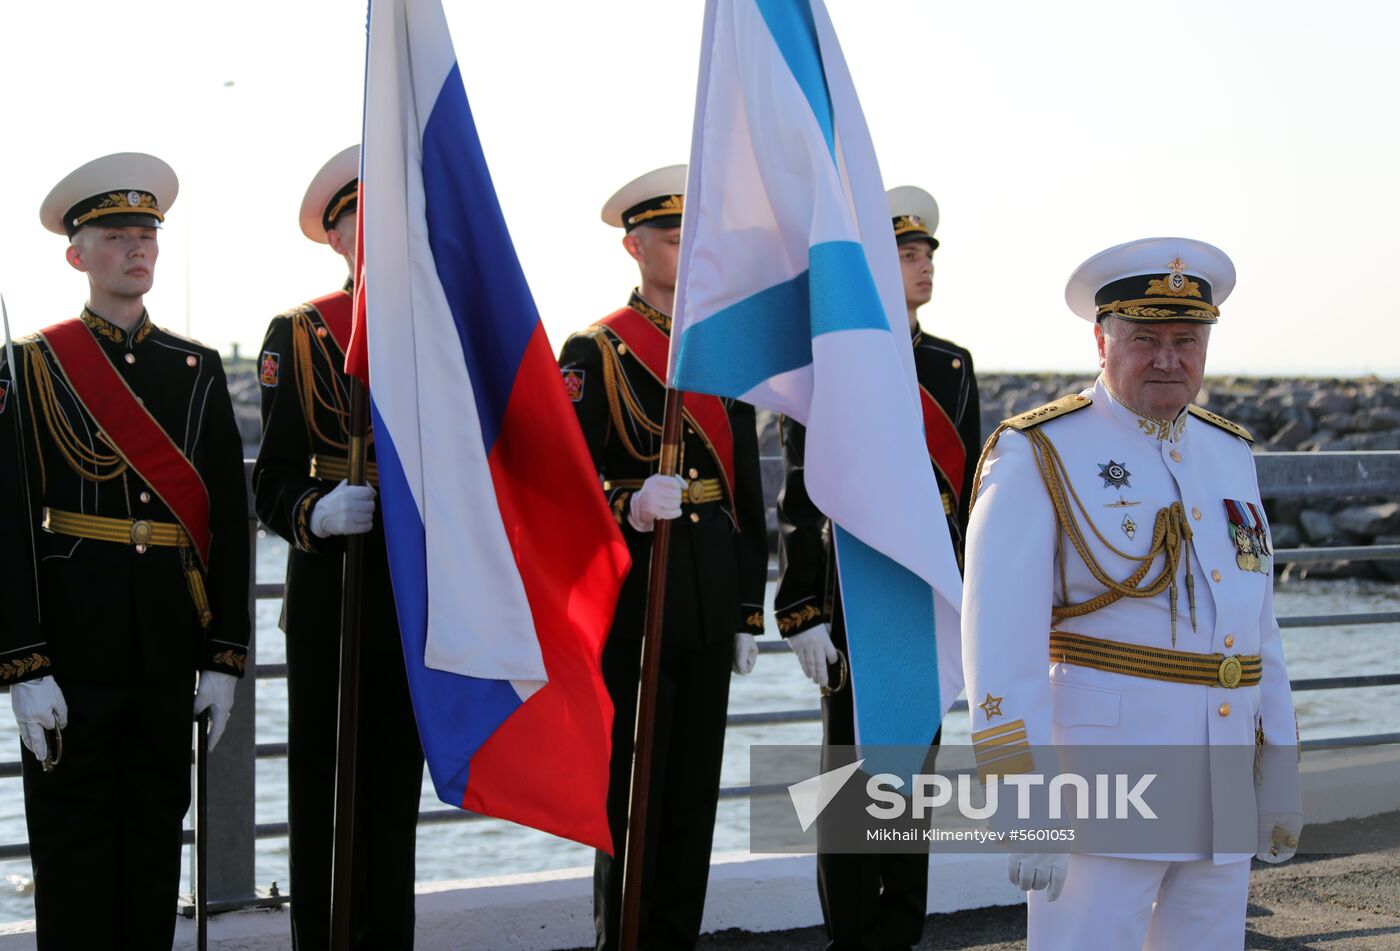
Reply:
x=659, y=497
x=1036, y=870
x=745, y=653
x=814, y=652
x=215, y=694
x=347, y=510
x=1278, y=836
x=39, y=706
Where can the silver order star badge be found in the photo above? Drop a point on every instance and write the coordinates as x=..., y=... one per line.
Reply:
x=1114, y=475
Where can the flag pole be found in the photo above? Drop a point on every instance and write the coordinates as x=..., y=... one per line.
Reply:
x=348, y=719
x=646, y=691
x=201, y=832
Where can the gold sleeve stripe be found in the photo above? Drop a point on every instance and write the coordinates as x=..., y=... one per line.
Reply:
x=1000, y=742
x=999, y=730
x=1010, y=767
x=1001, y=756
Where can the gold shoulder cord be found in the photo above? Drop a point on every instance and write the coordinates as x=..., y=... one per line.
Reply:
x=309, y=393
x=618, y=395
x=1170, y=533
x=88, y=463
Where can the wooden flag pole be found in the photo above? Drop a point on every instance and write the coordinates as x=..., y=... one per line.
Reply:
x=347, y=730
x=646, y=691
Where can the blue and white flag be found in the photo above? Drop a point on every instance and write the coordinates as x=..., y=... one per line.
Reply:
x=789, y=297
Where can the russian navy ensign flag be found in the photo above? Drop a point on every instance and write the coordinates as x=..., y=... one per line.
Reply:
x=506, y=562
x=789, y=297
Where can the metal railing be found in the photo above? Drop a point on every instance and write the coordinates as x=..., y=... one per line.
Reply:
x=1289, y=475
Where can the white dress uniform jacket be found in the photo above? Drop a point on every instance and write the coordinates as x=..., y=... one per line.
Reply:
x=1123, y=468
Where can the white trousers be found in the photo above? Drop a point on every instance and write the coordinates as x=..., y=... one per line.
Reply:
x=1114, y=904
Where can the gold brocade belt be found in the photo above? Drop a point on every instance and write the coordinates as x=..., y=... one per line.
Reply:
x=140, y=533
x=1156, y=663
x=336, y=468
x=947, y=503
x=124, y=531
x=697, y=491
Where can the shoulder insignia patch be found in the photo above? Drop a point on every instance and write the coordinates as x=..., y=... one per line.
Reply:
x=267, y=368
x=1234, y=429
x=1041, y=414
x=573, y=384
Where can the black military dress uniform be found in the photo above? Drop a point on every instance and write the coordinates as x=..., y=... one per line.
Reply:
x=870, y=902
x=714, y=589
x=302, y=457
x=116, y=624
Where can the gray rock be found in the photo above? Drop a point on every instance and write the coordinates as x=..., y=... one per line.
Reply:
x=1283, y=510
x=1245, y=412
x=1333, y=569
x=1285, y=535
x=1369, y=520
x=1338, y=422
x=1317, y=441
x=1389, y=439
x=1289, y=437
x=1372, y=420
x=1300, y=415
x=1317, y=526
x=1327, y=401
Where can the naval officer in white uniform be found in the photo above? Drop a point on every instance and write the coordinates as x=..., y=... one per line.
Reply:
x=1119, y=592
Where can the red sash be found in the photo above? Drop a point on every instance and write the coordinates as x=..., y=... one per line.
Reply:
x=132, y=431
x=945, y=446
x=336, y=314
x=652, y=348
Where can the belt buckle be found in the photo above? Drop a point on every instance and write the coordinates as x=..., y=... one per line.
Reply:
x=1229, y=672
x=695, y=494
x=140, y=532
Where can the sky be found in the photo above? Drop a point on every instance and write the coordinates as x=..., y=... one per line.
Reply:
x=1047, y=132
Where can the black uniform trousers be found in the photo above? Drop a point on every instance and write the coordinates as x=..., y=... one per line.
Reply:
x=870, y=902
x=389, y=779
x=104, y=825
x=692, y=703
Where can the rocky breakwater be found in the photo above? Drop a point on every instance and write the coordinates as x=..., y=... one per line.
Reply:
x=1285, y=415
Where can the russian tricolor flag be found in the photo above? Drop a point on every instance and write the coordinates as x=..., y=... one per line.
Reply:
x=506, y=562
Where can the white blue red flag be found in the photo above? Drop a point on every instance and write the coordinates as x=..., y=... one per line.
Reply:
x=789, y=297
x=505, y=559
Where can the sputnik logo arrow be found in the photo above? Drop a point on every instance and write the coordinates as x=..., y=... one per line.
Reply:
x=811, y=796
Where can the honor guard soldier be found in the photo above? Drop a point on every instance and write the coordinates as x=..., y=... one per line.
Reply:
x=613, y=373
x=125, y=527
x=1110, y=602
x=874, y=901
x=300, y=491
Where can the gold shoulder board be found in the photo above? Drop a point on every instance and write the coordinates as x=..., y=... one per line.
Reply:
x=1234, y=429
x=1041, y=414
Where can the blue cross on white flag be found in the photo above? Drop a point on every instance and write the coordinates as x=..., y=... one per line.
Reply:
x=789, y=297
